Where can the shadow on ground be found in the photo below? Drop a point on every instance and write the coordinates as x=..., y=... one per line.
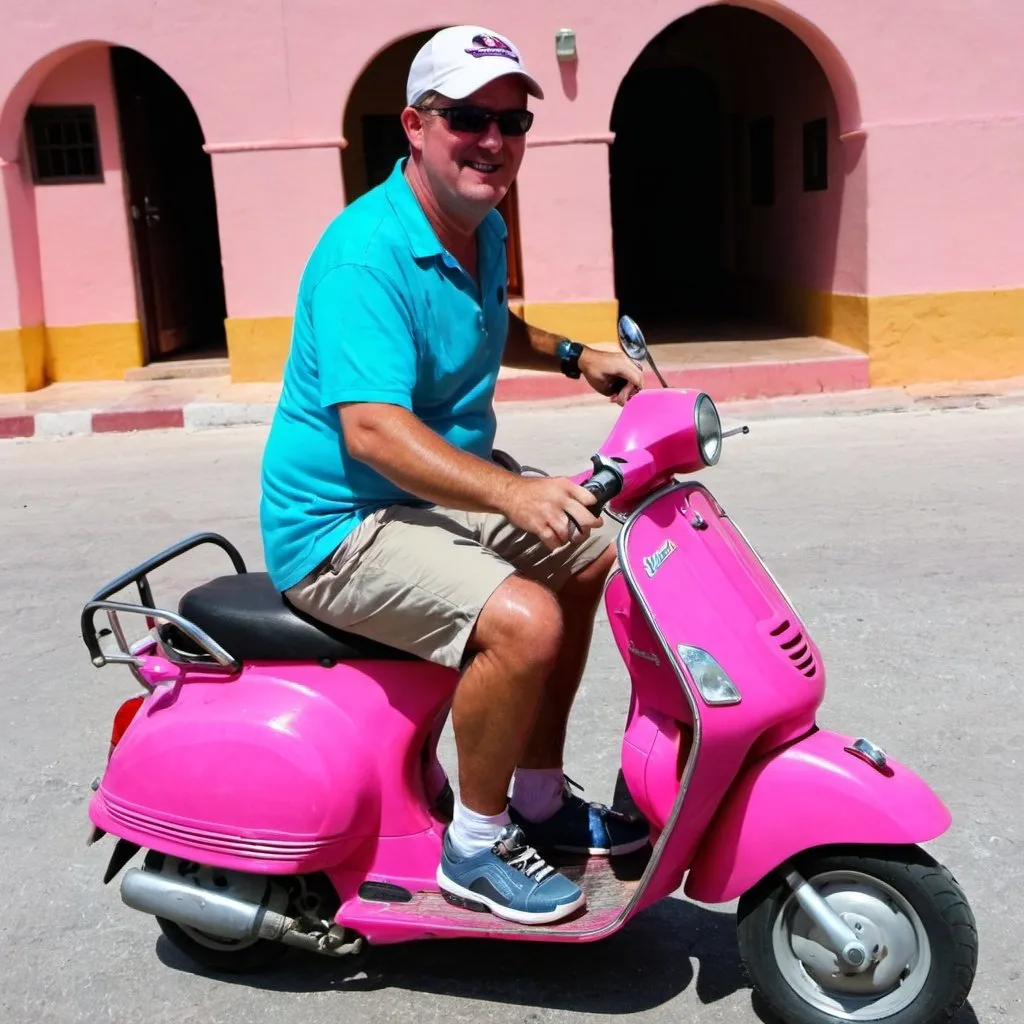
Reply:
x=645, y=965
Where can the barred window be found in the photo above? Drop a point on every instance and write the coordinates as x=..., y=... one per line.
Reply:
x=64, y=145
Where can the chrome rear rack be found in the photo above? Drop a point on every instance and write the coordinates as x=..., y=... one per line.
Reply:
x=212, y=657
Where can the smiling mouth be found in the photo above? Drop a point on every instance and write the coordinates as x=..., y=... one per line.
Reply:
x=483, y=168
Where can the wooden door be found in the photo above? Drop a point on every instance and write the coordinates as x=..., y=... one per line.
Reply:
x=171, y=209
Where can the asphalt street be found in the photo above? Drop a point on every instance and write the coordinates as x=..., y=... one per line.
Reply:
x=898, y=537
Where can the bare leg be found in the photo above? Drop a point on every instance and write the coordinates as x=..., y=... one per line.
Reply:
x=517, y=636
x=578, y=599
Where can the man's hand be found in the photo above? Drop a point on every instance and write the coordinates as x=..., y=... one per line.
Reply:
x=550, y=508
x=605, y=372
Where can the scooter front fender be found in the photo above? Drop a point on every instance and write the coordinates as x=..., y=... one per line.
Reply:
x=813, y=793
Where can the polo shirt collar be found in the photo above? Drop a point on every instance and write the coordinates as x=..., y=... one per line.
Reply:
x=423, y=240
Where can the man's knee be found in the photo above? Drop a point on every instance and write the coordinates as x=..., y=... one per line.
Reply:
x=523, y=619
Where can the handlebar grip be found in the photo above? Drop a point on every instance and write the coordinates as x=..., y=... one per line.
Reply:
x=605, y=484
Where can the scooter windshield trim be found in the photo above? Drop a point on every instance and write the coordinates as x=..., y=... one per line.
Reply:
x=691, y=761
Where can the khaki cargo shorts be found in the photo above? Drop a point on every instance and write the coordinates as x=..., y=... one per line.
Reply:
x=418, y=578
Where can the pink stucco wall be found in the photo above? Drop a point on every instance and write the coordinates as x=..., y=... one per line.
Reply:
x=84, y=248
x=930, y=200
x=21, y=287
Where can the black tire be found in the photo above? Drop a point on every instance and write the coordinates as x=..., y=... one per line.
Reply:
x=932, y=893
x=241, y=960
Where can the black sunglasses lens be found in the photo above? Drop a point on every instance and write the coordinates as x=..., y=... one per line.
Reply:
x=467, y=119
x=474, y=120
x=514, y=122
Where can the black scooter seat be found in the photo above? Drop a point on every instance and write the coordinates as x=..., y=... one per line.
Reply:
x=250, y=619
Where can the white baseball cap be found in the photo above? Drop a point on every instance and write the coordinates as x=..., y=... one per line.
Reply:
x=457, y=61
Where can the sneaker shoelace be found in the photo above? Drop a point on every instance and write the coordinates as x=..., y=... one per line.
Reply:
x=525, y=859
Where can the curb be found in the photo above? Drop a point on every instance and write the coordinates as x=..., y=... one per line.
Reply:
x=199, y=416
x=726, y=381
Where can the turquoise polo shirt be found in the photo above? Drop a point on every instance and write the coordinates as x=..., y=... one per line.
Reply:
x=384, y=314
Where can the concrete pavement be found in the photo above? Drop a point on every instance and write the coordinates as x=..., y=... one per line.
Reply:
x=897, y=536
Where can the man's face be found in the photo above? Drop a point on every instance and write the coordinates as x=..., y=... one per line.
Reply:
x=472, y=172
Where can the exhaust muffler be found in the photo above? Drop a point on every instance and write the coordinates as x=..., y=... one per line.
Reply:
x=228, y=917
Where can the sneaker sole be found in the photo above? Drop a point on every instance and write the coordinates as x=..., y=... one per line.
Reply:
x=507, y=913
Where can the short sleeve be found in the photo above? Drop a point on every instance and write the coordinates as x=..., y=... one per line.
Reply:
x=363, y=335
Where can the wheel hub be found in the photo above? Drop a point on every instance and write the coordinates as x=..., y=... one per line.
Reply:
x=899, y=955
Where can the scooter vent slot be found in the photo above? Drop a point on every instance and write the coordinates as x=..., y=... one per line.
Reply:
x=797, y=648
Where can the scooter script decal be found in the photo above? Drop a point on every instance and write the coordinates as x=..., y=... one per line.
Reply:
x=652, y=563
x=646, y=655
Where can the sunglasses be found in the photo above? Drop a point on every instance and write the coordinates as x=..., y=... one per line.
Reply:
x=474, y=120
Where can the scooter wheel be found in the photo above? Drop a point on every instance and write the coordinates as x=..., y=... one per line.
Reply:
x=221, y=956
x=909, y=911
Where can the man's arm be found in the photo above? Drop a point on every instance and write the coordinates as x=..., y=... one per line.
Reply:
x=401, y=447
x=608, y=373
x=530, y=348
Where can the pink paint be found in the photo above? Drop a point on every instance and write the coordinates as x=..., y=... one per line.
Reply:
x=923, y=191
x=21, y=289
x=853, y=803
x=251, y=185
x=137, y=419
x=84, y=249
x=725, y=382
x=17, y=426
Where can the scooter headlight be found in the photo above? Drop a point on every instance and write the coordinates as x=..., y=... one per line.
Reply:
x=710, y=678
x=709, y=430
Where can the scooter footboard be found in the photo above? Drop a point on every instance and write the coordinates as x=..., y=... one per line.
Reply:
x=813, y=793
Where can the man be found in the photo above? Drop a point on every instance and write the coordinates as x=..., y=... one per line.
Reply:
x=383, y=513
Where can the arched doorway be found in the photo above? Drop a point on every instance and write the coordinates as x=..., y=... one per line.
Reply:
x=172, y=211
x=670, y=224
x=727, y=180
x=376, y=140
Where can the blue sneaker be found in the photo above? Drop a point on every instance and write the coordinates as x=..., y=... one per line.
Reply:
x=586, y=828
x=510, y=879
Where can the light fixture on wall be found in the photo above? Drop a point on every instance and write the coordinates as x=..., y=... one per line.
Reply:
x=565, y=44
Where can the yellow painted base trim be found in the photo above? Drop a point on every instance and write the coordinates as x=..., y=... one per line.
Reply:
x=92, y=351
x=914, y=339
x=946, y=336
x=258, y=347
x=843, y=318
x=580, y=321
x=22, y=359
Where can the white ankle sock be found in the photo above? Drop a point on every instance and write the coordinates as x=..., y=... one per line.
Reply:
x=537, y=792
x=470, y=832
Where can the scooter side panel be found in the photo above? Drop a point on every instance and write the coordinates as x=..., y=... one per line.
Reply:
x=811, y=794
x=698, y=583
x=276, y=773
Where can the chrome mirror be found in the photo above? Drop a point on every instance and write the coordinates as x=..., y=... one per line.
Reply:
x=631, y=340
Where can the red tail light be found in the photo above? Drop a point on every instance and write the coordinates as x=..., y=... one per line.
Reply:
x=125, y=713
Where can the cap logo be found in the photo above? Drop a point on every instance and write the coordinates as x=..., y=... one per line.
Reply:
x=492, y=46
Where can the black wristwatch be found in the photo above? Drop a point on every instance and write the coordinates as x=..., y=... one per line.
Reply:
x=569, y=353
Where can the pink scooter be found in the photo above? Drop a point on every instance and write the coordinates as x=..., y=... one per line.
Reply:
x=284, y=779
